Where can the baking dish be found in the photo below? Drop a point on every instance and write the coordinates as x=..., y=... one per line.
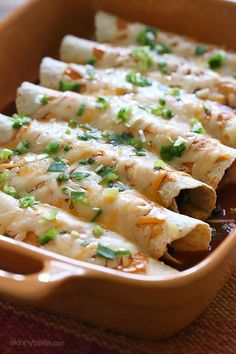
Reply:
x=131, y=304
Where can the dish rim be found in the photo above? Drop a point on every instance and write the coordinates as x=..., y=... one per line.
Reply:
x=200, y=269
x=188, y=275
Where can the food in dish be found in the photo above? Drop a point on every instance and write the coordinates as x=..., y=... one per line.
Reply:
x=115, y=30
x=201, y=156
x=169, y=69
x=123, y=171
x=162, y=184
x=55, y=230
x=83, y=189
x=201, y=116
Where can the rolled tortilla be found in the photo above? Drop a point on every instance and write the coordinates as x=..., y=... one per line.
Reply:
x=75, y=238
x=219, y=121
x=169, y=69
x=170, y=188
x=117, y=31
x=7, y=134
x=126, y=211
x=203, y=157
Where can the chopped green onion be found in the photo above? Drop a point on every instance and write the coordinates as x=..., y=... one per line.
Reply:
x=98, y=212
x=81, y=109
x=117, y=184
x=68, y=131
x=105, y=252
x=159, y=165
x=19, y=120
x=22, y=147
x=200, y=50
x=178, y=142
x=69, y=86
x=196, y=126
x=85, y=243
x=52, y=148
x=44, y=99
x=216, y=60
x=98, y=230
x=167, y=113
x=72, y=123
x=57, y=165
x=160, y=110
x=136, y=143
x=102, y=103
x=67, y=148
x=147, y=37
x=5, y=154
x=111, y=177
x=206, y=109
x=79, y=197
x=140, y=152
x=162, y=48
x=88, y=161
x=162, y=102
x=125, y=138
x=3, y=177
x=63, y=177
x=163, y=67
x=144, y=108
x=175, y=150
x=156, y=110
x=124, y=114
x=89, y=136
x=107, y=174
x=174, y=91
x=88, y=127
x=48, y=236
x=100, y=168
x=143, y=57
x=27, y=202
x=166, y=152
x=80, y=175
x=137, y=79
x=10, y=190
x=123, y=253
x=92, y=60
x=113, y=138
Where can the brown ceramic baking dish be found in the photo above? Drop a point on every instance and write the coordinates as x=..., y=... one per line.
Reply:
x=133, y=304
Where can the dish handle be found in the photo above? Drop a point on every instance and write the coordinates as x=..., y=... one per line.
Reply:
x=28, y=274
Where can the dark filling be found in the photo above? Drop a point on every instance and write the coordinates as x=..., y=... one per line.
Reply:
x=182, y=199
x=222, y=222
